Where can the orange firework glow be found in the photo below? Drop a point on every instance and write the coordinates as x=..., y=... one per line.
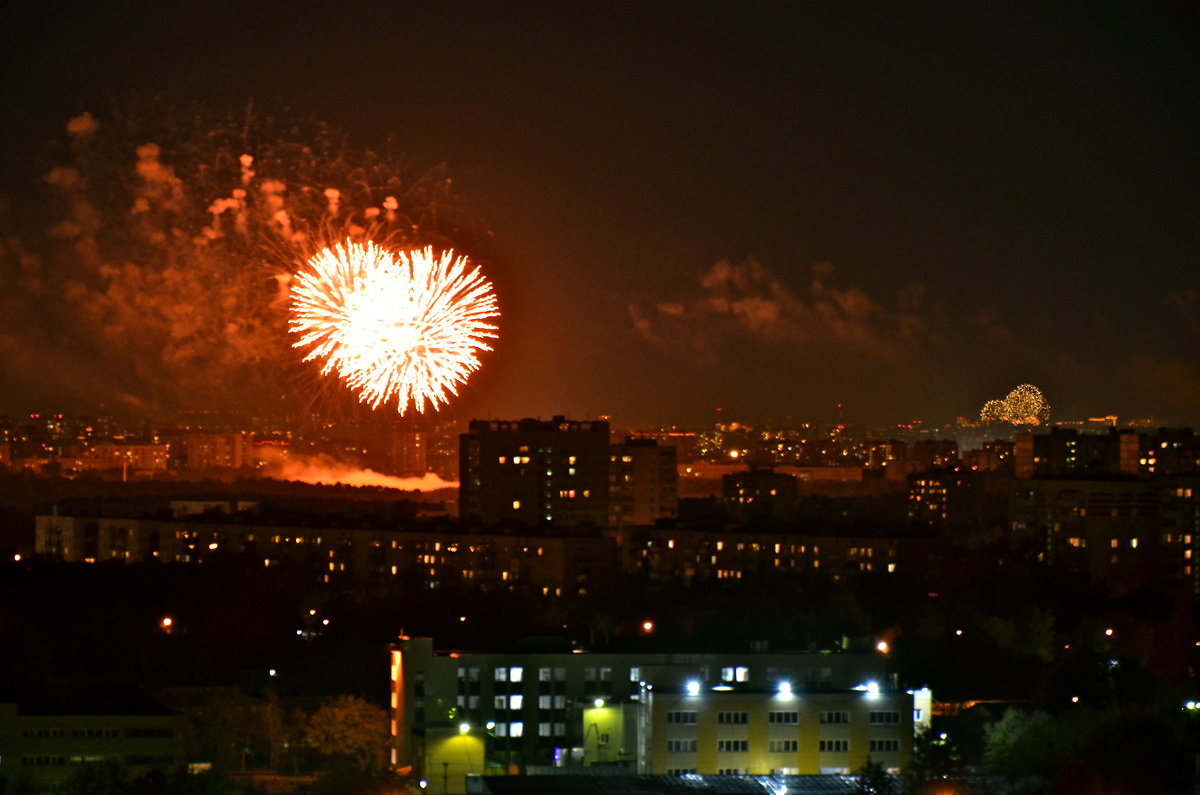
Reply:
x=406, y=325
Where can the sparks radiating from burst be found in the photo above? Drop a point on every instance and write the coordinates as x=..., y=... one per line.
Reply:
x=1025, y=405
x=406, y=325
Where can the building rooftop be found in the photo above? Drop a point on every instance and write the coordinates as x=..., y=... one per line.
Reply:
x=107, y=700
x=572, y=784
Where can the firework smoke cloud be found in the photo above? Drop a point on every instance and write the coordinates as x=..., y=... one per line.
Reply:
x=168, y=238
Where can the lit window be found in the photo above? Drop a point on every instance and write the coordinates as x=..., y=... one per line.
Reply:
x=516, y=729
x=515, y=673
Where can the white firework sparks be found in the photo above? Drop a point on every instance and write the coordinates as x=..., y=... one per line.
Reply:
x=407, y=325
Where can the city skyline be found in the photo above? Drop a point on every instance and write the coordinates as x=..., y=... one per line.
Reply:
x=771, y=210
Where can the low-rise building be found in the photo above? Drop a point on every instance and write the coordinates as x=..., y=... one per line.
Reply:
x=554, y=564
x=537, y=708
x=46, y=736
x=674, y=555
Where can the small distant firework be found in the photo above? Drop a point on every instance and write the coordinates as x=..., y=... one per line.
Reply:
x=1025, y=405
x=993, y=411
x=406, y=325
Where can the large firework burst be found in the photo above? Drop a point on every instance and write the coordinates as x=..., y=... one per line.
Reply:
x=406, y=325
x=1025, y=405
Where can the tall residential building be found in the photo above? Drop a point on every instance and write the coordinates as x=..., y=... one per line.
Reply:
x=214, y=450
x=1122, y=531
x=408, y=446
x=534, y=472
x=645, y=483
x=945, y=498
x=760, y=493
x=1065, y=451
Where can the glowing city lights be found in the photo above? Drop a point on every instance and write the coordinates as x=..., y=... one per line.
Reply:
x=404, y=325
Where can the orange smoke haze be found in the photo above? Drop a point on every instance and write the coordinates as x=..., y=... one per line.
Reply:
x=322, y=470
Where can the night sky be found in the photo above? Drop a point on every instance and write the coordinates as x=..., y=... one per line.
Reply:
x=771, y=208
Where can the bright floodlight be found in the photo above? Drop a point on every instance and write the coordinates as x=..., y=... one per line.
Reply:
x=693, y=688
x=785, y=689
x=463, y=728
x=599, y=703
